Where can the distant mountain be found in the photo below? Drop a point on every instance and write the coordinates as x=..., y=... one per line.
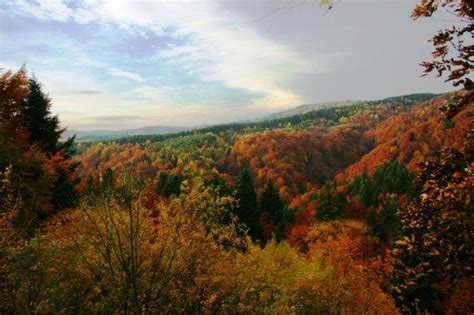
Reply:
x=298, y=113
x=104, y=135
x=409, y=99
x=303, y=109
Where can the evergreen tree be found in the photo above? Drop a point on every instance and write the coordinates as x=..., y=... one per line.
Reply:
x=330, y=203
x=43, y=127
x=44, y=131
x=169, y=184
x=89, y=188
x=391, y=178
x=384, y=223
x=247, y=210
x=271, y=203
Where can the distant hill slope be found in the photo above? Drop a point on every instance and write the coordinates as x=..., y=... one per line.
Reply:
x=409, y=99
x=104, y=135
x=303, y=109
x=411, y=136
x=330, y=114
x=294, y=116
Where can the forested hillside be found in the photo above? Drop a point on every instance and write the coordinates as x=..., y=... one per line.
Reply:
x=297, y=153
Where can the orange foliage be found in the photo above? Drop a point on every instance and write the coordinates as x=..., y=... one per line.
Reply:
x=297, y=160
x=357, y=266
x=411, y=136
x=297, y=231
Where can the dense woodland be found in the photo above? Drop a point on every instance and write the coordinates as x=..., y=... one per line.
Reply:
x=359, y=209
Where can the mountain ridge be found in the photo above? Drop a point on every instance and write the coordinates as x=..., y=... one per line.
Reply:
x=300, y=110
x=106, y=134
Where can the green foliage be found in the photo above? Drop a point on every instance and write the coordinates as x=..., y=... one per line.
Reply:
x=271, y=203
x=331, y=203
x=448, y=124
x=384, y=222
x=107, y=179
x=43, y=279
x=7, y=193
x=44, y=131
x=217, y=182
x=381, y=193
x=43, y=127
x=247, y=209
x=191, y=141
x=169, y=184
x=391, y=178
x=211, y=211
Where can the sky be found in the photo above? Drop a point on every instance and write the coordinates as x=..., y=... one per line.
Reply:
x=115, y=64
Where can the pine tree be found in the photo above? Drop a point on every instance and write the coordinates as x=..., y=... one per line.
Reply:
x=169, y=184
x=384, y=222
x=44, y=131
x=330, y=203
x=247, y=210
x=271, y=203
x=43, y=127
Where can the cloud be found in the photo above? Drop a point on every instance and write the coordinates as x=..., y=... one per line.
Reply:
x=222, y=48
x=44, y=9
x=121, y=118
x=154, y=94
x=214, y=45
x=125, y=74
x=82, y=92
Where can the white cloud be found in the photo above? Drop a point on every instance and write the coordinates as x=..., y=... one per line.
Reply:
x=219, y=46
x=154, y=94
x=54, y=10
x=125, y=74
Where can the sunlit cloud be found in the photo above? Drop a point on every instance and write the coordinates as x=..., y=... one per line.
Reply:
x=125, y=74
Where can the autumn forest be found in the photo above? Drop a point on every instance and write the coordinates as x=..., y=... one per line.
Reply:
x=362, y=208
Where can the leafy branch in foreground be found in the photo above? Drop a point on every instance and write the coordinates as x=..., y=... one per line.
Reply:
x=454, y=49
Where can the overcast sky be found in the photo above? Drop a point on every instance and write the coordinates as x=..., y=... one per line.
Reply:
x=124, y=64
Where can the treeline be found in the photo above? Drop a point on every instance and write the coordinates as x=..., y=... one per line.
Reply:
x=329, y=115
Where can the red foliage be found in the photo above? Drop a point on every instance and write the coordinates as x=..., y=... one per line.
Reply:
x=411, y=136
x=462, y=300
x=297, y=160
x=296, y=232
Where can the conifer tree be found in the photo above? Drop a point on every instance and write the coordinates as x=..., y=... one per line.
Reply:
x=271, y=203
x=330, y=203
x=247, y=210
x=169, y=184
x=44, y=131
x=272, y=219
x=43, y=127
